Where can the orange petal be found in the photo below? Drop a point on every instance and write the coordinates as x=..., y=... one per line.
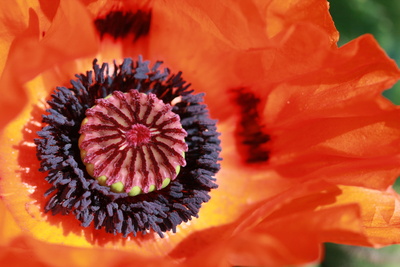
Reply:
x=295, y=239
x=342, y=150
x=26, y=251
x=202, y=64
x=199, y=53
x=379, y=212
x=49, y=8
x=349, y=80
x=8, y=227
x=29, y=56
x=14, y=17
x=283, y=14
x=264, y=235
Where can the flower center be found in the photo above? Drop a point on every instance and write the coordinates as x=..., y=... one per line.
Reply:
x=138, y=135
x=132, y=142
x=130, y=105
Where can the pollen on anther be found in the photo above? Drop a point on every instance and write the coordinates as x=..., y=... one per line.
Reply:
x=132, y=142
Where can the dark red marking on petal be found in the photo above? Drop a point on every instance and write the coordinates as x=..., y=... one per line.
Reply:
x=120, y=24
x=250, y=131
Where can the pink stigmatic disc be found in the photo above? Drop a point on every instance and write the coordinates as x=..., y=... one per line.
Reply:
x=133, y=138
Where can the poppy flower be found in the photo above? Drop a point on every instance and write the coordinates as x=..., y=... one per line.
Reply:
x=306, y=136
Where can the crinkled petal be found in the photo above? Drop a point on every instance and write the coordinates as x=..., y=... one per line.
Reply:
x=285, y=52
x=14, y=17
x=379, y=212
x=264, y=235
x=27, y=251
x=350, y=79
x=272, y=243
x=8, y=227
x=342, y=150
x=281, y=15
x=241, y=66
x=29, y=54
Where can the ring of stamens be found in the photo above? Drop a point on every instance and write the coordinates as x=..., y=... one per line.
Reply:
x=73, y=191
x=132, y=142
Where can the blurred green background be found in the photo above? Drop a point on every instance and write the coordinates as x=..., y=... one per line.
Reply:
x=382, y=19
